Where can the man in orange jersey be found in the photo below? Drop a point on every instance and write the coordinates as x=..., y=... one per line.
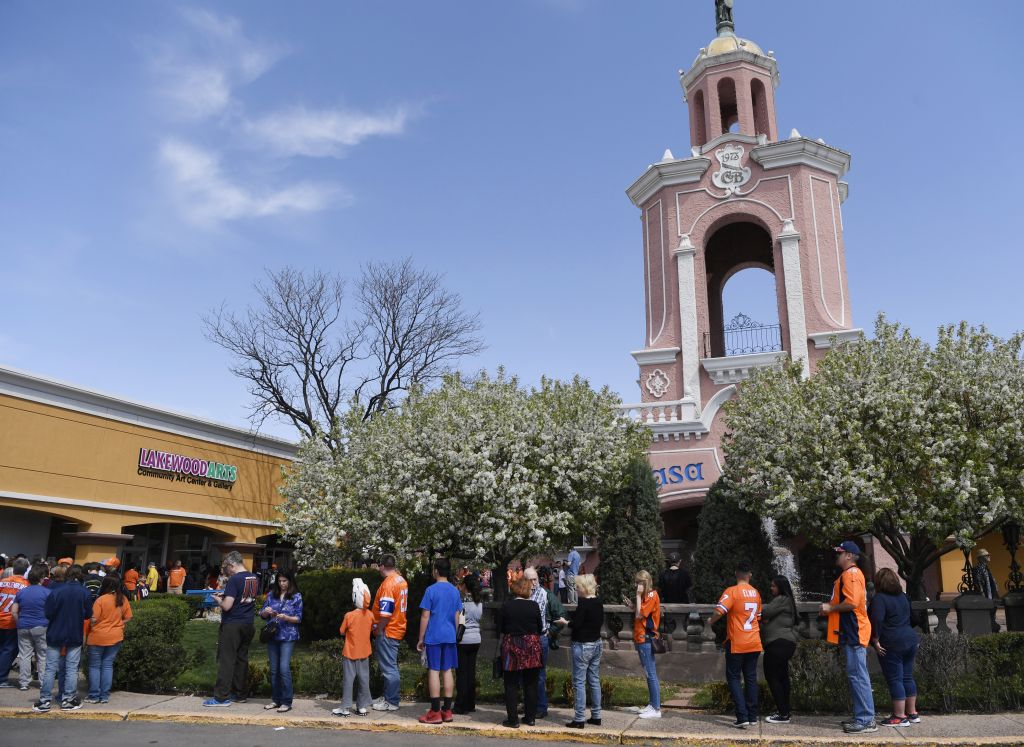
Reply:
x=9, y=588
x=176, y=579
x=389, y=608
x=741, y=605
x=850, y=627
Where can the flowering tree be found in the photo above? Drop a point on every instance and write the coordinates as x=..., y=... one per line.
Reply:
x=922, y=446
x=478, y=469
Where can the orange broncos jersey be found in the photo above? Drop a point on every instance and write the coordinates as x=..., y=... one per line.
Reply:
x=9, y=589
x=741, y=604
x=390, y=605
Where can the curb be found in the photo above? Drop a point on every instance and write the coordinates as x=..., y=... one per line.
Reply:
x=542, y=734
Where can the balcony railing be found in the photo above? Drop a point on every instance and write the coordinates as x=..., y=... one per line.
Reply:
x=743, y=336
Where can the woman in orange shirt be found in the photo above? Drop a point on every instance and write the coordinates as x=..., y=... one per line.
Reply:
x=110, y=612
x=646, y=619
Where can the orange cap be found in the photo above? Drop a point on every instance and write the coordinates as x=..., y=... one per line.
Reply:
x=66, y=561
x=112, y=563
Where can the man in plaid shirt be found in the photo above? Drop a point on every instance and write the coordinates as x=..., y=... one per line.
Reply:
x=540, y=596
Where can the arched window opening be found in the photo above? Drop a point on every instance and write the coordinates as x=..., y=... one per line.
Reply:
x=760, y=102
x=700, y=128
x=750, y=313
x=740, y=257
x=727, y=104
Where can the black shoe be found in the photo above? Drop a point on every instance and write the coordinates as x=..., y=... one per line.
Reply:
x=238, y=699
x=41, y=706
x=542, y=714
x=71, y=705
x=594, y=721
x=459, y=711
x=739, y=724
x=510, y=724
x=855, y=728
x=576, y=724
x=777, y=718
x=530, y=722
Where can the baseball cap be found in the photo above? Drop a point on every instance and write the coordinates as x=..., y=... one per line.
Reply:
x=848, y=546
x=112, y=563
x=66, y=561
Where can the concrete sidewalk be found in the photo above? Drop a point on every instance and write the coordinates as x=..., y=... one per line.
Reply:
x=677, y=727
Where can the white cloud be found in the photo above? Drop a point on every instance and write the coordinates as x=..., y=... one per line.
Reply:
x=301, y=132
x=198, y=76
x=208, y=197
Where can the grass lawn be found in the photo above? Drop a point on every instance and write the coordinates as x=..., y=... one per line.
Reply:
x=201, y=640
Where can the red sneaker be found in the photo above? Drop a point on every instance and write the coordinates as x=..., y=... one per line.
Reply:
x=431, y=717
x=447, y=716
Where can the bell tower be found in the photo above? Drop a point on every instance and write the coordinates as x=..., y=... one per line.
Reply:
x=741, y=199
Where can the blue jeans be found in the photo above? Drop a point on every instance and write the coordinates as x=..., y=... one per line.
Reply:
x=101, y=670
x=744, y=694
x=542, y=679
x=279, y=655
x=860, y=683
x=387, y=658
x=647, y=661
x=586, y=670
x=68, y=664
x=8, y=650
x=898, y=668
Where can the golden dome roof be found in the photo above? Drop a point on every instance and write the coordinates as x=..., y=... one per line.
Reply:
x=731, y=43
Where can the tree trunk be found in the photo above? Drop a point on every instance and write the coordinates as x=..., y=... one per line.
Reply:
x=499, y=580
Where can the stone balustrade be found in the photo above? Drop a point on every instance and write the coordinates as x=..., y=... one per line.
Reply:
x=685, y=626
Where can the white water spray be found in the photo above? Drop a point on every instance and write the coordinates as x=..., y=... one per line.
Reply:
x=783, y=562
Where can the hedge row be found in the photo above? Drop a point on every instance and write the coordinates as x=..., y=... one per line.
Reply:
x=152, y=654
x=327, y=596
x=953, y=673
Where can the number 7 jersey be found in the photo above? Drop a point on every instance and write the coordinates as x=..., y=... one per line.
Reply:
x=390, y=605
x=741, y=605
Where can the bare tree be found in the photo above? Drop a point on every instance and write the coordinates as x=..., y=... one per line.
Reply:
x=304, y=360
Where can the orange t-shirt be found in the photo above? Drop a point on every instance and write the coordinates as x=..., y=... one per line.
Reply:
x=850, y=628
x=741, y=604
x=9, y=588
x=175, y=577
x=389, y=606
x=356, y=627
x=650, y=607
x=108, y=627
x=131, y=579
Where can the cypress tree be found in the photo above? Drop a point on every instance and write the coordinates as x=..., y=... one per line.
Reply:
x=727, y=534
x=630, y=538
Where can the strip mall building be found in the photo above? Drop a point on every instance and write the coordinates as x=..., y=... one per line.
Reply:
x=91, y=476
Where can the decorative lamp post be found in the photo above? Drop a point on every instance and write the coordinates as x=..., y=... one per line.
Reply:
x=1011, y=538
x=966, y=585
x=1013, y=600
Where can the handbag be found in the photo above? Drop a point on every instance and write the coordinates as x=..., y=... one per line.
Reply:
x=461, y=629
x=497, y=664
x=269, y=631
x=657, y=642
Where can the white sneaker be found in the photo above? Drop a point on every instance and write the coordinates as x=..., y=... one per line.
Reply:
x=638, y=709
x=650, y=714
x=341, y=712
x=383, y=705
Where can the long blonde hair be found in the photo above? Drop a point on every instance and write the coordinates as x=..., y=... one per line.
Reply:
x=643, y=577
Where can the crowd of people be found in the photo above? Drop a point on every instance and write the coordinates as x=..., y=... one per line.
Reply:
x=51, y=612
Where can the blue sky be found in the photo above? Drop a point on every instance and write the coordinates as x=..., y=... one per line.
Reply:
x=157, y=157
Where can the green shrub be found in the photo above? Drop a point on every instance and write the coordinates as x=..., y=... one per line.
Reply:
x=152, y=654
x=630, y=535
x=258, y=679
x=995, y=676
x=569, y=692
x=818, y=677
x=321, y=671
x=327, y=596
x=940, y=667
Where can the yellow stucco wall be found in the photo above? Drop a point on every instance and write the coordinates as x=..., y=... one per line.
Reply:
x=55, y=452
x=952, y=563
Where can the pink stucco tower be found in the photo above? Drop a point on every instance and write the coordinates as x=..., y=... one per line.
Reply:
x=742, y=198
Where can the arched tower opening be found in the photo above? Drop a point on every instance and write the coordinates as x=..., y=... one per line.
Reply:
x=728, y=106
x=699, y=136
x=759, y=102
x=740, y=257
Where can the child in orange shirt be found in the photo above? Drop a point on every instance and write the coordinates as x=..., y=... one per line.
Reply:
x=357, y=627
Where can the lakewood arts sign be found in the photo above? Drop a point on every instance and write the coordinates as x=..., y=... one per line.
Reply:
x=180, y=468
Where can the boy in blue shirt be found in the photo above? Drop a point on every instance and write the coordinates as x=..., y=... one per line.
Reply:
x=438, y=624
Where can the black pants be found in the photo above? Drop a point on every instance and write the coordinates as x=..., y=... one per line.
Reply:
x=529, y=679
x=776, y=671
x=233, y=660
x=465, y=677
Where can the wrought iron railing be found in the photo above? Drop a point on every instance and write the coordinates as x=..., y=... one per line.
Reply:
x=743, y=336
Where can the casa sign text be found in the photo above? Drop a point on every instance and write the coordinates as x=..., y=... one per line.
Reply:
x=679, y=473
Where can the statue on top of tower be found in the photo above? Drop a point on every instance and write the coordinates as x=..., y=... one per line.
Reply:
x=723, y=17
